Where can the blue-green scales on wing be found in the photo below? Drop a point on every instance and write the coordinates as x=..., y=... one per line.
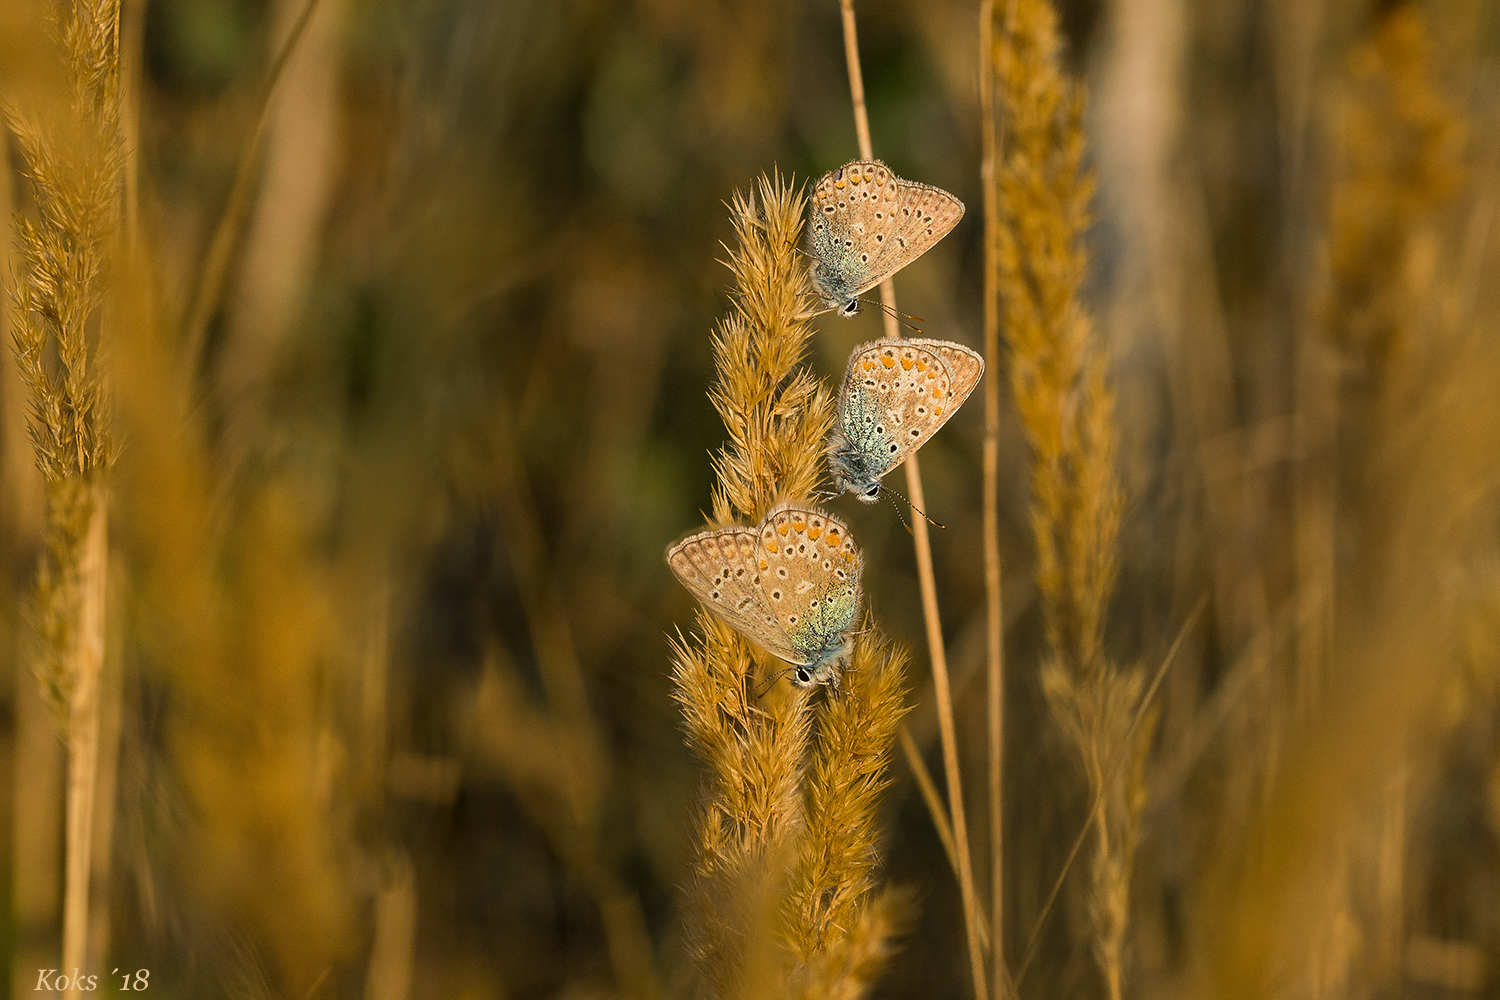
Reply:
x=895, y=395
x=865, y=224
x=790, y=585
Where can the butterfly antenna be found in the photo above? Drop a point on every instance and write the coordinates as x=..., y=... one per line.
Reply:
x=905, y=319
x=900, y=516
x=919, y=510
x=778, y=675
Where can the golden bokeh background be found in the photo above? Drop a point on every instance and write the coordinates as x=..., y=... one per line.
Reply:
x=421, y=456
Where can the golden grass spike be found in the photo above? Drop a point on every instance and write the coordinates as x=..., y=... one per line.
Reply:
x=1061, y=390
x=855, y=734
x=779, y=899
x=71, y=150
x=770, y=409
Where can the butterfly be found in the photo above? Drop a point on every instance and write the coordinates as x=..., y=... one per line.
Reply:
x=896, y=394
x=866, y=224
x=790, y=585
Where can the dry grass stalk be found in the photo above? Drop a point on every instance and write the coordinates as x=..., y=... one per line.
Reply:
x=927, y=580
x=72, y=154
x=1061, y=390
x=1398, y=163
x=782, y=892
x=37, y=789
x=994, y=618
x=210, y=286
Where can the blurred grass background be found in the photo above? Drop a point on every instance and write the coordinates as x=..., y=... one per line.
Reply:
x=452, y=407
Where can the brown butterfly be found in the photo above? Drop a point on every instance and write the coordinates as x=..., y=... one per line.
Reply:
x=866, y=224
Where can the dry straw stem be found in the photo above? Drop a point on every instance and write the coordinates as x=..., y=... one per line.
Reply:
x=71, y=149
x=782, y=895
x=210, y=286
x=1060, y=386
x=992, y=139
x=927, y=580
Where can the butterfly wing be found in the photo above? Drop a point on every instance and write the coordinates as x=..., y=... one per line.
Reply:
x=838, y=230
x=723, y=569
x=809, y=570
x=898, y=392
x=867, y=224
x=925, y=214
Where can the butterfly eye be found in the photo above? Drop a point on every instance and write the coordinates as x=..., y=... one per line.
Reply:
x=873, y=490
x=802, y=676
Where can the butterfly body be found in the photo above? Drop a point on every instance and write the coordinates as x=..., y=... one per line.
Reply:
x=866, y=224
x=790, y=585
x=858, y=455
x=895, y=395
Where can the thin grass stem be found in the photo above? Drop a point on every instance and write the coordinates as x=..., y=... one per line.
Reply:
x=931, y=796
x=210, y=286
x=993, y=139
x=83, y=740
x=925, y=575
x=933, y=799
x=1119, y=761
x=133, y=31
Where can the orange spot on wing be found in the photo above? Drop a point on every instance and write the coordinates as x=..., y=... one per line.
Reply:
x=781, y=529
x=770, y=547
x=907, y=363
x=799, y=526
x=814, y=532
x=888, y=362
x=921, y=365
x=937, y=411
